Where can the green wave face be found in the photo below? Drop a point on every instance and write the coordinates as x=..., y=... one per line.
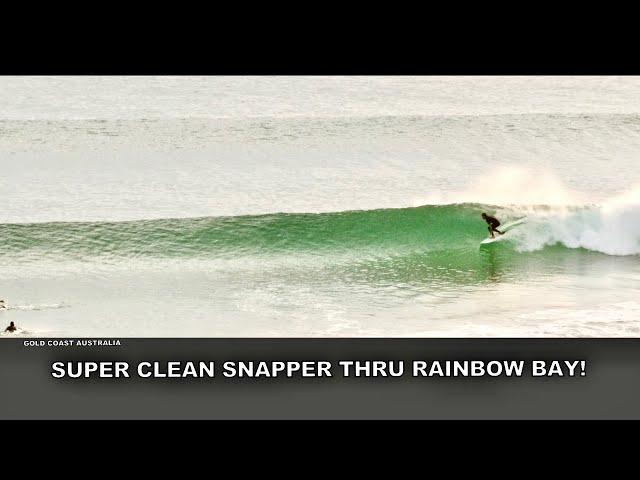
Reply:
x=430, y=228
x=436, y=245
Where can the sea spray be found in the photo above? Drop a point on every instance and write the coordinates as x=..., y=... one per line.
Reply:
x=521, y=185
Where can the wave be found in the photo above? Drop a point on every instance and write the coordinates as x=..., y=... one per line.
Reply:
x=248, y=235
x=613, y=228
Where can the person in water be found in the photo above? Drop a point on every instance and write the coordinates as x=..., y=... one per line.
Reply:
x=11, y=327
x=493, y=222
x=2, y=305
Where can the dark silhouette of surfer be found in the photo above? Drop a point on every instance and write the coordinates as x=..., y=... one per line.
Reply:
x=493, y=222
x=11, y=328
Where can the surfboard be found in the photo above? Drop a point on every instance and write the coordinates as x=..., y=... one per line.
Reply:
x=508, y=226
x=491, y=240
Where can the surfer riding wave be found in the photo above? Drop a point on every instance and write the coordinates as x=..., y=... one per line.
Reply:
x=493, y=222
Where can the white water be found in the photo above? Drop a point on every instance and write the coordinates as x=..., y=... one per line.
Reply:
x=614, y=230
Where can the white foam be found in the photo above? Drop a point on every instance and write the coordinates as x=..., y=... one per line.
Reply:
x=612, y=228
x=44, y=306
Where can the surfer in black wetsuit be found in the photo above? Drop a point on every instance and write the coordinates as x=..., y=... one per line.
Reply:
x=11, y=328
x=493, y=222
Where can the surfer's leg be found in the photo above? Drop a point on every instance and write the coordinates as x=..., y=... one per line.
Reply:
x=491, y=232
x=501, y=233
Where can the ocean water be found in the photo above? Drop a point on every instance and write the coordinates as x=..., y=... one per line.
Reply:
x=319, y=206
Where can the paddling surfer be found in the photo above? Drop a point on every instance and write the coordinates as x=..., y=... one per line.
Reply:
x=493, y=222
x=11, y=328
